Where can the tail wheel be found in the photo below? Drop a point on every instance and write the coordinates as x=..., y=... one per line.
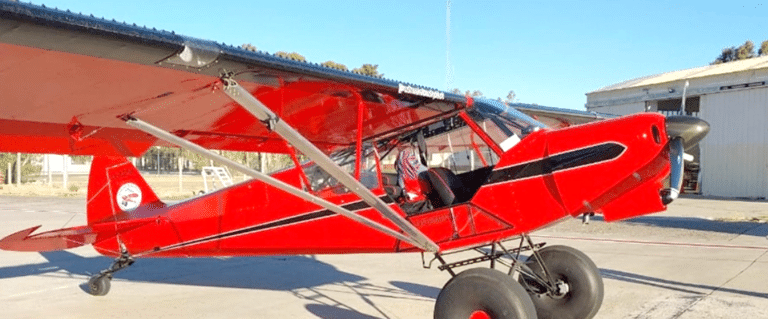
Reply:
x=579, y=286
x=99, y=285
x=483, y=293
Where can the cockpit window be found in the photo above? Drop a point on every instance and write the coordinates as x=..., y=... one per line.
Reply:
x=504, y=124
x=320, y=180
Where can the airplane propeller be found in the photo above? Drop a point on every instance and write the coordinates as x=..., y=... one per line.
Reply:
x=684, y=132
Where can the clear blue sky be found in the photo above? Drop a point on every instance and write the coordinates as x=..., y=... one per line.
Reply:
x=550, y=52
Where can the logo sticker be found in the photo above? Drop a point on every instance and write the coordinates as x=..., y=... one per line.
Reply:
x=128, y=197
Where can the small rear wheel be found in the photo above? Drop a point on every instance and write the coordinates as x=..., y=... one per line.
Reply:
x=579, y=286
x=483, y=293
x=99, y=285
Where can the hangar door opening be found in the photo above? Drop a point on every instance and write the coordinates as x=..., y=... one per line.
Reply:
x=691, y=177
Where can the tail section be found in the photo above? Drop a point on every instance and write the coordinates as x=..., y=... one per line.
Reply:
x=116, y=188
x=48, y=241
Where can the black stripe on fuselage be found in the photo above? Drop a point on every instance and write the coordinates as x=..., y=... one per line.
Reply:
x=355, y=206
x=559, y=162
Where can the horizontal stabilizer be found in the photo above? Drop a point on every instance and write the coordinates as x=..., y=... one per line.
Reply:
x=48, y=241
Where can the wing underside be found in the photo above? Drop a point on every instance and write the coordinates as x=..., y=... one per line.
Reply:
x=68, y=79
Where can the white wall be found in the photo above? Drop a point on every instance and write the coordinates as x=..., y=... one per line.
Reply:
x=57, y=165
x=622, y=109
x=734, y=155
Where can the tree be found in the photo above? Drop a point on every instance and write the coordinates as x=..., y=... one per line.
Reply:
x=763, y=48
x=368, y=69
x=456, y=91
x=745, y=51
x=248, y=47
x=293, y=56
x=29, y=166
x=334, y=65
x=511, y=97
x=727, y=55
x=475, y=93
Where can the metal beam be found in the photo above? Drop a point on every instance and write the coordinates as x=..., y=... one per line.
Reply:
x=274, y=123
x=269, y=180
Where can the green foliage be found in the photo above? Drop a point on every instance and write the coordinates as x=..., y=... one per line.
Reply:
x=369, y=69
x=511, y=97
x=30, y=166
x=763, y=48
x=727, y=55
x=293, y=56
x=73, y=188
x=475, y=93
x=248, y=47
x=743, y=52
x=334, y=65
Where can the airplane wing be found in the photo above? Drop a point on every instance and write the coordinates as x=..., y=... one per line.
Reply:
x=69, y=81
x=560, y=117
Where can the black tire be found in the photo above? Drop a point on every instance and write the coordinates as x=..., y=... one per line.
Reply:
x=99, y=285
x=486, y=290
x=585, y=285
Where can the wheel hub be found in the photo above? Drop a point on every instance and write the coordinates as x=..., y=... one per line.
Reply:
x=561, y=289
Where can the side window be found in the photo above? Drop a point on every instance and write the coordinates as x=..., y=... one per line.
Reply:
x=321, y=181
x=458, y=148
x=368, y=171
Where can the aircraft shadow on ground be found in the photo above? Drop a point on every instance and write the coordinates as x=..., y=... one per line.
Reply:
x=270, y=273
x=700, y=224
x=684, y=287
x=306, y=277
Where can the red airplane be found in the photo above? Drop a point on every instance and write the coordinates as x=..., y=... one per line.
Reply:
x=75, y=84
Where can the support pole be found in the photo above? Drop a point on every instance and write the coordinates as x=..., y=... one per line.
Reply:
x=64, y=171
x=9, y=179
x=48, y=165
x=18, y=169
x=269, y=180
x=274, y=123
x=180, y=175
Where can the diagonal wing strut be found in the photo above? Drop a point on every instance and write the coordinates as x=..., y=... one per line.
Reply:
x=269, y=180
x=264, y=114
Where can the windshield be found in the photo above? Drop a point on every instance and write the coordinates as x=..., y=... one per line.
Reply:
x=511, y=118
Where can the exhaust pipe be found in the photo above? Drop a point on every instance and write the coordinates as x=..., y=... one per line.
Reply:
x=683, y=132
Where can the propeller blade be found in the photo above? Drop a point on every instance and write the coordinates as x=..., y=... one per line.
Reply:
x=684, y=132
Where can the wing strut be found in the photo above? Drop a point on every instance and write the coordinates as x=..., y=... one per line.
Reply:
x=269, y=180
x=274, y=123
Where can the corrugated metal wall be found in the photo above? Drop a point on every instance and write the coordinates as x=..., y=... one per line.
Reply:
x=734, y=156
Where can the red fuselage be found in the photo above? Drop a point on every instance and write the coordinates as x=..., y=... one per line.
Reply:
x=615, y=167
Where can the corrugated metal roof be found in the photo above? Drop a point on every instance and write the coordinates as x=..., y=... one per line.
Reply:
x=716, y=69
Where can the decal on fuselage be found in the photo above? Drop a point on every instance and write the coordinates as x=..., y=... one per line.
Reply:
x=572, y=159
x=437, y=95
x=128, y=197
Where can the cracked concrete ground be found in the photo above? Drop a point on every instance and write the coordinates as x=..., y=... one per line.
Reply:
x=703, y=258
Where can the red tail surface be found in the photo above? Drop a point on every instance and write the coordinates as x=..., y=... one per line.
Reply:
x=115, y=188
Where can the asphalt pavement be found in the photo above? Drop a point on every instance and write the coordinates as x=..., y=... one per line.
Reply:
x=703, y=258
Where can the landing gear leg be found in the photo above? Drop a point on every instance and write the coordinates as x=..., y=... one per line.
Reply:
x=99, y=284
